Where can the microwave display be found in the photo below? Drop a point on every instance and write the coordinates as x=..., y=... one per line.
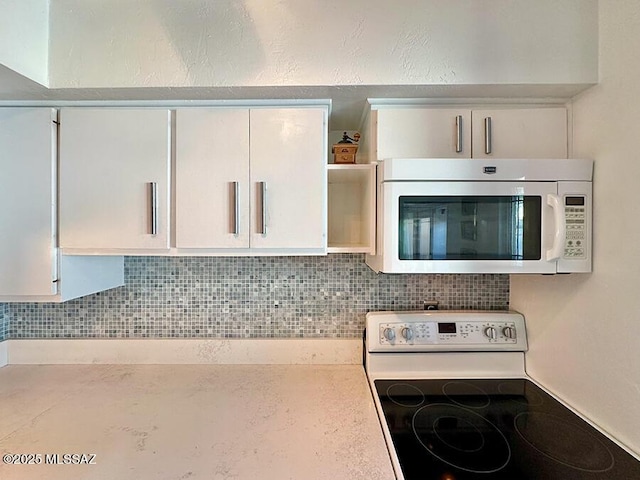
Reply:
x=574, y=201
x=470, y=228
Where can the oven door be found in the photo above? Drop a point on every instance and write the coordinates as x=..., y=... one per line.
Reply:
x=471, y=227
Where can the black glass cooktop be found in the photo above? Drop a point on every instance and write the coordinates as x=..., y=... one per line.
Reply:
x=494, y=429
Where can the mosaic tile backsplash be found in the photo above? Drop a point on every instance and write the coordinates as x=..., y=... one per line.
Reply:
x=4, y=321
x=249, y=297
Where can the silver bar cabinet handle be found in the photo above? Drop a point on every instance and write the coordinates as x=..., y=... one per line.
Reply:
x=264, y=208
x=487, y=135
x=236, y=208
x=458, y=133
x=153, y=194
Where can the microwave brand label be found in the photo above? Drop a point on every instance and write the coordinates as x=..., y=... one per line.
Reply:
x=489, y=170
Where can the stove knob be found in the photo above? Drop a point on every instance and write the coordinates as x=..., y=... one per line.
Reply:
x=389, y=334
x=509, y=332
x=407, y=333
x=491, y=333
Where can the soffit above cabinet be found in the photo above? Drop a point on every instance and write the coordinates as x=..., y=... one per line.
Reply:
x=346, y=51
x=347, y=102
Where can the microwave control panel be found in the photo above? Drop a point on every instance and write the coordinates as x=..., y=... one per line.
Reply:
x=449, y=333
x=576, y=227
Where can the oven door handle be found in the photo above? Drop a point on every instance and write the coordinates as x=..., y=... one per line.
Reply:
x=559, y=237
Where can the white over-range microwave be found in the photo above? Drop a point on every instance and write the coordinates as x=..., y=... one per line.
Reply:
x=483, y=216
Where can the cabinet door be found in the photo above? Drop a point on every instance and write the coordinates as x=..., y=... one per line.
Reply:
x=114, y=179
x=520, y=133
x=28, y=199
x=288, y=155
x=212, y=178
x=423, y=133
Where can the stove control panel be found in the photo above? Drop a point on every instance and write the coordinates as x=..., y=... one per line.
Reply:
x=450, y=332
x=446, y=331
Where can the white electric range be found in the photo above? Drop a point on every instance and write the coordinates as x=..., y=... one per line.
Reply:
x=455, y=403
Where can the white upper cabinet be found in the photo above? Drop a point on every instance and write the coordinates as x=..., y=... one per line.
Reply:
x=31, y=268
x=432, y=132
x=212, y=178
x=423, y=132
x=251, y=180
x=28, y=263
x=114, y=180
x=288, y=192
x=520, y=133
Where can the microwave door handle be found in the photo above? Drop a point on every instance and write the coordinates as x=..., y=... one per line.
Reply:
x=559, y=237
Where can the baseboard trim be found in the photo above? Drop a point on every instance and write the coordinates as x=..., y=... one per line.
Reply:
x=181, y=351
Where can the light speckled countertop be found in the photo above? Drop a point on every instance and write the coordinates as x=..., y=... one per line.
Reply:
x=192, y=422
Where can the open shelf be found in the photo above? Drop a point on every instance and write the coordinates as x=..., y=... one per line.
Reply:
x=351, y=208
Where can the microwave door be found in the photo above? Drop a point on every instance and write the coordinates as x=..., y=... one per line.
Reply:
x=464, y=227
x=439, y=233
x=416, y=231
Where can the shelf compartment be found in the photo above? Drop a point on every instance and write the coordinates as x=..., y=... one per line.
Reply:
x=351, y=208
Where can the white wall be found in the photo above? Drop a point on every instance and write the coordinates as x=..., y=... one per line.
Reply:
x=197, y=43
x=24, y=37
x=585, y=329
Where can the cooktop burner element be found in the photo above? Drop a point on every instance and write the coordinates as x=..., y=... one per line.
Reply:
x=461, y=438
x=508, y=428
x=405, y=395
x=466, y=394
x=571, y=445
x=455, y=403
